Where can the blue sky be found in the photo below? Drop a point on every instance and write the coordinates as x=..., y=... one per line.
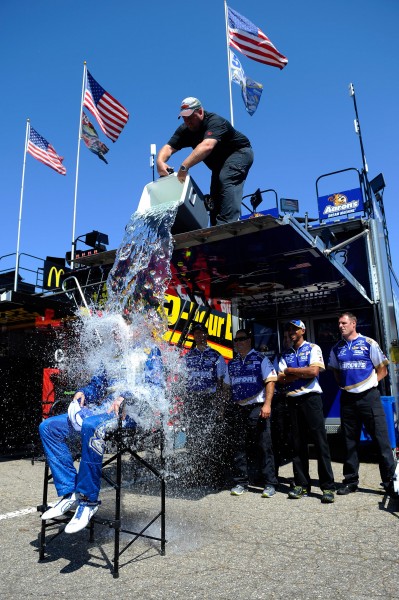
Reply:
x=152, y=55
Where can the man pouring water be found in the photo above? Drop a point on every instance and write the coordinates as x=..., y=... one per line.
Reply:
x=225, y=151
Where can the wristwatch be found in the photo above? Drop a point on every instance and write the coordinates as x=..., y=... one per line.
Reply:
x=183, y=168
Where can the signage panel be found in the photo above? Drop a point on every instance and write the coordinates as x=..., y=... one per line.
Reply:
x=340, y=204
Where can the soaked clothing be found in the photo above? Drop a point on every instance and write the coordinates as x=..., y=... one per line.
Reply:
x=357, y=360
x=204, y=368
x=253, y=459
x=202, y=409
x=305, y=406
x=60, y=432
x=229, y=162
x=247, y=377
x=57, y=434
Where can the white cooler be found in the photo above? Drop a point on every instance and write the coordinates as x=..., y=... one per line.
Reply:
x=191, y=214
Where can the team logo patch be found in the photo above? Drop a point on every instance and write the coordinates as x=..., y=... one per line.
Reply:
x=97, y=445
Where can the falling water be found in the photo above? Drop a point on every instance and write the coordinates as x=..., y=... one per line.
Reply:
x=141, y=272
x=126, y=335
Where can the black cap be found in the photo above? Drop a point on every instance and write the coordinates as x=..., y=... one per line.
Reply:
x=199, y=327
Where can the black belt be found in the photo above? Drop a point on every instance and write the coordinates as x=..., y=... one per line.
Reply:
x=355, y=395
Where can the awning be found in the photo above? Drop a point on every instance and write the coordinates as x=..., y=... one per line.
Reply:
x=265, y=267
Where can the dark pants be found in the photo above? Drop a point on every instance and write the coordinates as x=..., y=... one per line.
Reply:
x=365, y=408
x=307, y=419
x=253, y=460
x=281, y=431
x=227, y=187
x=204, y=436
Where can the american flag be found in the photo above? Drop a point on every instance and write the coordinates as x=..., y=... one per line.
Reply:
x=110, y=114
x=40, y=149
x=245, y=37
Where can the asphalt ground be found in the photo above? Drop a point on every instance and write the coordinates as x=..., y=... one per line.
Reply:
x=219, y=546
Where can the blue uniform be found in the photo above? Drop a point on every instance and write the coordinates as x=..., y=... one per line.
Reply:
x=356, y=361
x=307, y=354
x=205, y=369
x=248, y=376
x=305, y=406
x=253, y=459
x=93, y=424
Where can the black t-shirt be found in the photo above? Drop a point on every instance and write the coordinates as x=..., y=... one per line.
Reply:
x=212, y=127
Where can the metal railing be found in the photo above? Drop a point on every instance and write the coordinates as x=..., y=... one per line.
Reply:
x=33, y=274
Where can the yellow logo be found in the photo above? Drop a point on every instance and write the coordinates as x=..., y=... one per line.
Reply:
x=57, y=276
x=338, y=199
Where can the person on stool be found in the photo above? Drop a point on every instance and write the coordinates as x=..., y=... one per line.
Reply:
x=94, y=410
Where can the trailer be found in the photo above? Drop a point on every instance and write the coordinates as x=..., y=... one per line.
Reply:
x=261, y=272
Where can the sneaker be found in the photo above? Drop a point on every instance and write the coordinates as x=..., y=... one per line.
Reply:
x=349, y=488
x=67, y=502
x=237, y=490
x=328, y=497
x=269, y=491
x=85, y=511
x=298, y=492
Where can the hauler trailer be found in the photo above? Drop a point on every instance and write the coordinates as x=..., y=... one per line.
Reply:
x=263, y=270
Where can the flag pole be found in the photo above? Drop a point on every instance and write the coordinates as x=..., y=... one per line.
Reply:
x=77, y=167
x=228, y=62
x=27, y=133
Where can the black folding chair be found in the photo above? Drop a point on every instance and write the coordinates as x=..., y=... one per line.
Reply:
x=123, y=441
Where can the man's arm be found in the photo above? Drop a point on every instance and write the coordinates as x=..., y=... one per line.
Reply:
x=200, y=153
x=382, y=372
x=266, y=408
x=302, y=372
x=115, y=406
x=163, y=156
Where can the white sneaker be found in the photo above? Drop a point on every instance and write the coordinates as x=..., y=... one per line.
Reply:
x=82, y=516
x=68, y=502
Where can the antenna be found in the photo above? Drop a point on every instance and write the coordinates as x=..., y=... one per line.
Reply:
x=153, y=151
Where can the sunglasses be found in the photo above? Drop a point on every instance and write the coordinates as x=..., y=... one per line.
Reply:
x=241, y=339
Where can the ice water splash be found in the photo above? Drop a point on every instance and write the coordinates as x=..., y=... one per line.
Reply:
x=138, y=280
x=138, y=366
x=125, y=337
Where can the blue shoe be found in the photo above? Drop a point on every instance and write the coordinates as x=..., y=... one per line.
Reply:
x=85, y=511
x=269, y=491
x=238, y=490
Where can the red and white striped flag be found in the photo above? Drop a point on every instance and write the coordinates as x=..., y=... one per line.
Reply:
x=110, y=114
x=40, y=149
x=245, y=37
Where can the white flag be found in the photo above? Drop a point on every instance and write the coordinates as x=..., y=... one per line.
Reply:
x=251, y=91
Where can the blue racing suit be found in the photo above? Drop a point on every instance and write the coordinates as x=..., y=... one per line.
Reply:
x=57, y=433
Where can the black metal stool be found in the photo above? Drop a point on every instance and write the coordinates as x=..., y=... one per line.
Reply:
x=125, y=441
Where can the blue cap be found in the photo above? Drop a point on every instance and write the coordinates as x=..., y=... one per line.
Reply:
x=298, y=323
